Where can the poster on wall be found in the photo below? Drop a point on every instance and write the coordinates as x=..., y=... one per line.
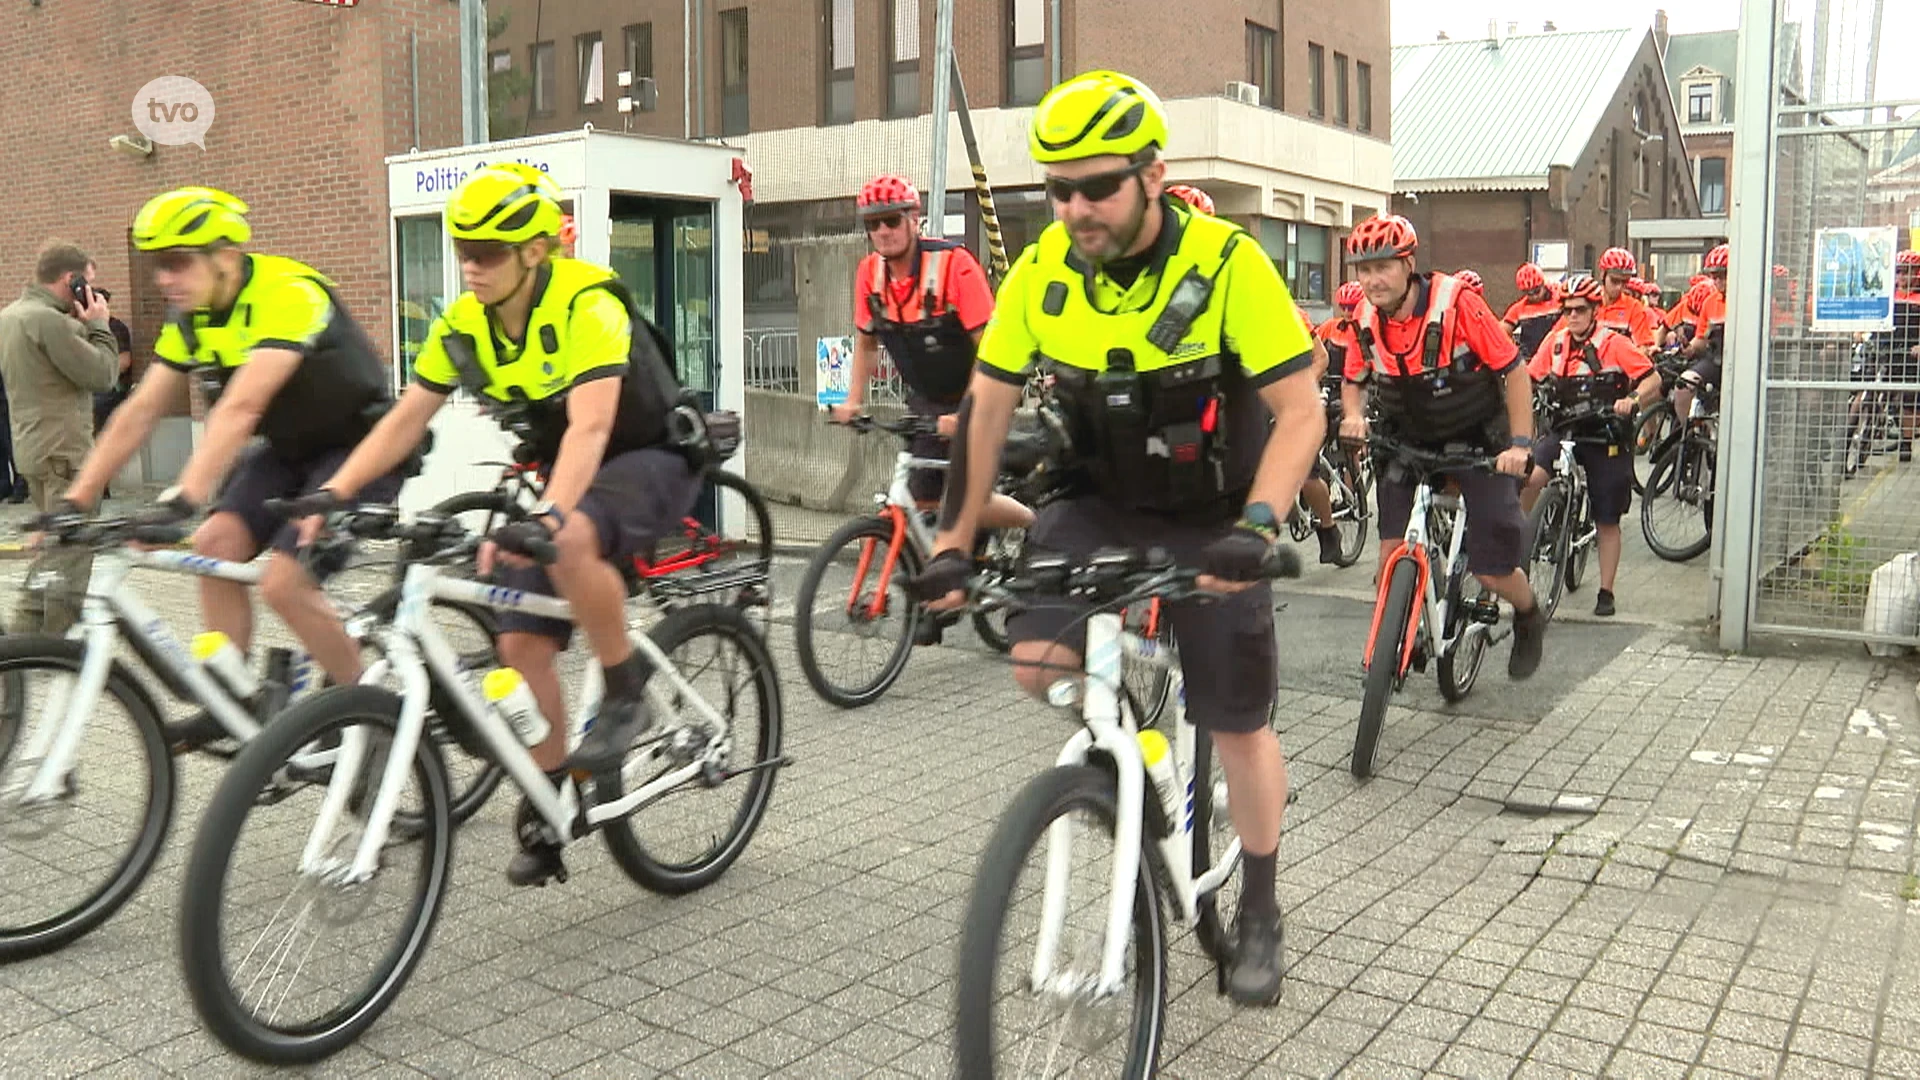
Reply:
x=833, y=361
x=1853, y=279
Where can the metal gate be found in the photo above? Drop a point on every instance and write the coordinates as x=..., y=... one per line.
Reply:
x=1813, y=494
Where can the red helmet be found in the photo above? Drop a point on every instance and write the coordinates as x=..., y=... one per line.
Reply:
x=1582, y=287
x=569, y=231
x=1717, y=258
x=1349, y=294
x=1699, y=295
x=1907, y=258
x=1529, y=278
x=887, y=194
x=1697, y=279
x=1779, y=271
x=1380, y=238
x=1618, y=260
x=1192, y=196
x=1471, y=279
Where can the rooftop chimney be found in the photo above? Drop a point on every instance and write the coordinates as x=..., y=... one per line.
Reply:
x=1512, y=28
x=1442, y=36
x=1660, y=34
x=1548, y=27
x=1493, y=34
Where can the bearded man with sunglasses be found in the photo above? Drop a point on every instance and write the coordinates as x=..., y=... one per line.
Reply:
x=276, y=355
x=1171, y=338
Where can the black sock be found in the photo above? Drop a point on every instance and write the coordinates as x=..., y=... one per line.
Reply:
x=1256, y=888
x=627, y=677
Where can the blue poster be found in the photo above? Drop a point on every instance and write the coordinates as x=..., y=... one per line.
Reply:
x=1853, y=279
x=834, y=370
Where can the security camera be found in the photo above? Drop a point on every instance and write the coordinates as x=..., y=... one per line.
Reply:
x=138, y=146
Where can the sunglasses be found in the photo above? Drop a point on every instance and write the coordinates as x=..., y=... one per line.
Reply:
x=175, y=260
x=484, y=252
x=1717, y=275
x=1096, y=188
x=884, y=221
x=1577, y=309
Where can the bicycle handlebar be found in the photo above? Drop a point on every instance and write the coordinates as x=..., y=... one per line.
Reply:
x=1433, y=461
x=111, y=532
x=907, y=427
x=1113, y=574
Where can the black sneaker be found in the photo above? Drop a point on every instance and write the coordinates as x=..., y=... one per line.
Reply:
x=536, y=866
x=197, y=732
x=1329, y=544
x=620, y=721
x=1529, y=642
x=1603, y=604
x=933, y=625
x=1254, y=977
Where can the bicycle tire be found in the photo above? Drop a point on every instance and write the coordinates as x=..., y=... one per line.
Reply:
x=1383, y=665
x=1573, y=561
x=991, y=626
x=755, y=546
x=205, y=880
x=1661, y=481
x=1045, y=798
x=879, y=531
x=1650, y=433
x=628, y=850
x=1547, y=524
x=1459, y=667
x=1356, y=482
x=45, y=935
x=1212, y=929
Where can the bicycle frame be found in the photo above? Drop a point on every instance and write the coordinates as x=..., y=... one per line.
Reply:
x=1415, y=546
x=899, y=507
x=416, y=652
x=109, y=613
x=1110, y=731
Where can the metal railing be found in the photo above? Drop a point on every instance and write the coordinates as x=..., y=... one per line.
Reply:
x=773, y=363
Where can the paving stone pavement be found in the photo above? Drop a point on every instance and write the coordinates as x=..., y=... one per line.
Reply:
x=1690, y=864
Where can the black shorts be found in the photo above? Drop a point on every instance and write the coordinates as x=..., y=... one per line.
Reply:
x=1496, y=540
x=1227, y=649
x=927, y=485
x=1706, y=370
x=1609, y=475
x=636, y=499
x=261, y=475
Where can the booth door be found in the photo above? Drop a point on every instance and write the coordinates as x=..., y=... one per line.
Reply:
x=663, y=251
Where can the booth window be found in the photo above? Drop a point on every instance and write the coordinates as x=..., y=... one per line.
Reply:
x=903, y=58
x=540, y=59
x=1026, y=51
x=419, y=294
x=836, y=105
x=593, y=75
x=733, y=72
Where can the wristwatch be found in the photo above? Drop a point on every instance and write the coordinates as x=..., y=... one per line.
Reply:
x=1523, y=442
x=1259, y=517
x=546, y=509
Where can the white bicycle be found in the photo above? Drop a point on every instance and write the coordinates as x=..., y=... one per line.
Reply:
x=1078, y=985
x=275, y=909
x=87, y=772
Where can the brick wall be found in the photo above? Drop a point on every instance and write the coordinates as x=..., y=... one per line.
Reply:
x=308, y=100
x=1192, y=51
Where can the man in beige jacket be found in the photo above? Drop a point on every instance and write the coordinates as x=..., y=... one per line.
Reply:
x=56, y=352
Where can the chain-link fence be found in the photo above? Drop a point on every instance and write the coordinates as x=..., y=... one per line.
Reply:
x=1837, y=495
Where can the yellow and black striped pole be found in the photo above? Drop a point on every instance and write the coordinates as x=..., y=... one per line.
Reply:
x=989, y=217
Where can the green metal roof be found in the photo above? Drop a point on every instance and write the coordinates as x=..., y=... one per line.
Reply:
x=1717, y=50
x=1470, y=117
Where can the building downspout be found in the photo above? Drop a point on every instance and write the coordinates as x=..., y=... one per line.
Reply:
x=700, y=62
x=1053, y=35
x=413, y=78
x=686, y=68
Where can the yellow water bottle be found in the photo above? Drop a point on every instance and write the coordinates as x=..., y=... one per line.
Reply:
x=510, y=695
x=1157, y=755
x=217, y=653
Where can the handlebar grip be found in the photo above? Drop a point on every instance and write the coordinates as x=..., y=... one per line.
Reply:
x=157, y=534
x=544, y=552
x=1281, y=562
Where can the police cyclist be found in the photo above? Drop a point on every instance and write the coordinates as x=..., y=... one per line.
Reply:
x=1445, y=372
x=276, y=355
x=1171, y=337
x=1709, y=335
x=1530, y=318
x=1597, y=371
x=556, y=349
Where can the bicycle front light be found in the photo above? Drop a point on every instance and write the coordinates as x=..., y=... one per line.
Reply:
x=1064, y=694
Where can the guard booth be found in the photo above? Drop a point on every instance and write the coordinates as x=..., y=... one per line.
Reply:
x=665, y=215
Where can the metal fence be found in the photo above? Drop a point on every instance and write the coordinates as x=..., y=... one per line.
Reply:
x=773, y=363
x=1818, y=488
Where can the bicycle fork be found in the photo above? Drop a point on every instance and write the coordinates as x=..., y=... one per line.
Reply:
x=1424, y=601
x=61, y=721
x=877, y=606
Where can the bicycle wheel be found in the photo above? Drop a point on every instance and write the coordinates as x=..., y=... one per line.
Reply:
x=1350, y=514
x=1213, y=834
x=241, y=962
x=1000, y=549
x=1579, y=526
x=717, y=651
x=1547, y=524
x=1650, y=433
x=1383, y=662
x=738, y=564
x=68, y=862
x=834, y=613
x=1676, y=515
x=1006, y=1025
x=1149, y=686
x=1459, y=666
x=473, y=631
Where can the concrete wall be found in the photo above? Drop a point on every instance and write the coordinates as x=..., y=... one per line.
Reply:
x=794, y=456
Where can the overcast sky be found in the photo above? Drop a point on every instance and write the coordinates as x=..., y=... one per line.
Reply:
x=1419, y=20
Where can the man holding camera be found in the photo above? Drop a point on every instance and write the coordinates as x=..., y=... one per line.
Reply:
x=56, y=352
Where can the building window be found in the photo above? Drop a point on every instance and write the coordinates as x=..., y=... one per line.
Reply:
x=1340, y=115
x=640, y=51
x=591, y=58
x=1644, y=182
x=1316, y=81
x=1639, y=112
x=1363, y=88
x=903, y=58
x=1713, y=185
x=836, y=106
x=1260, y=65
x=1026, y=51
x=1700, y=103
x=733, y=72
x=540, y=60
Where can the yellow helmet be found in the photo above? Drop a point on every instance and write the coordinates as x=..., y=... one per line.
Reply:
x=190, y=217
x=512, y=203
x=1100, y=112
